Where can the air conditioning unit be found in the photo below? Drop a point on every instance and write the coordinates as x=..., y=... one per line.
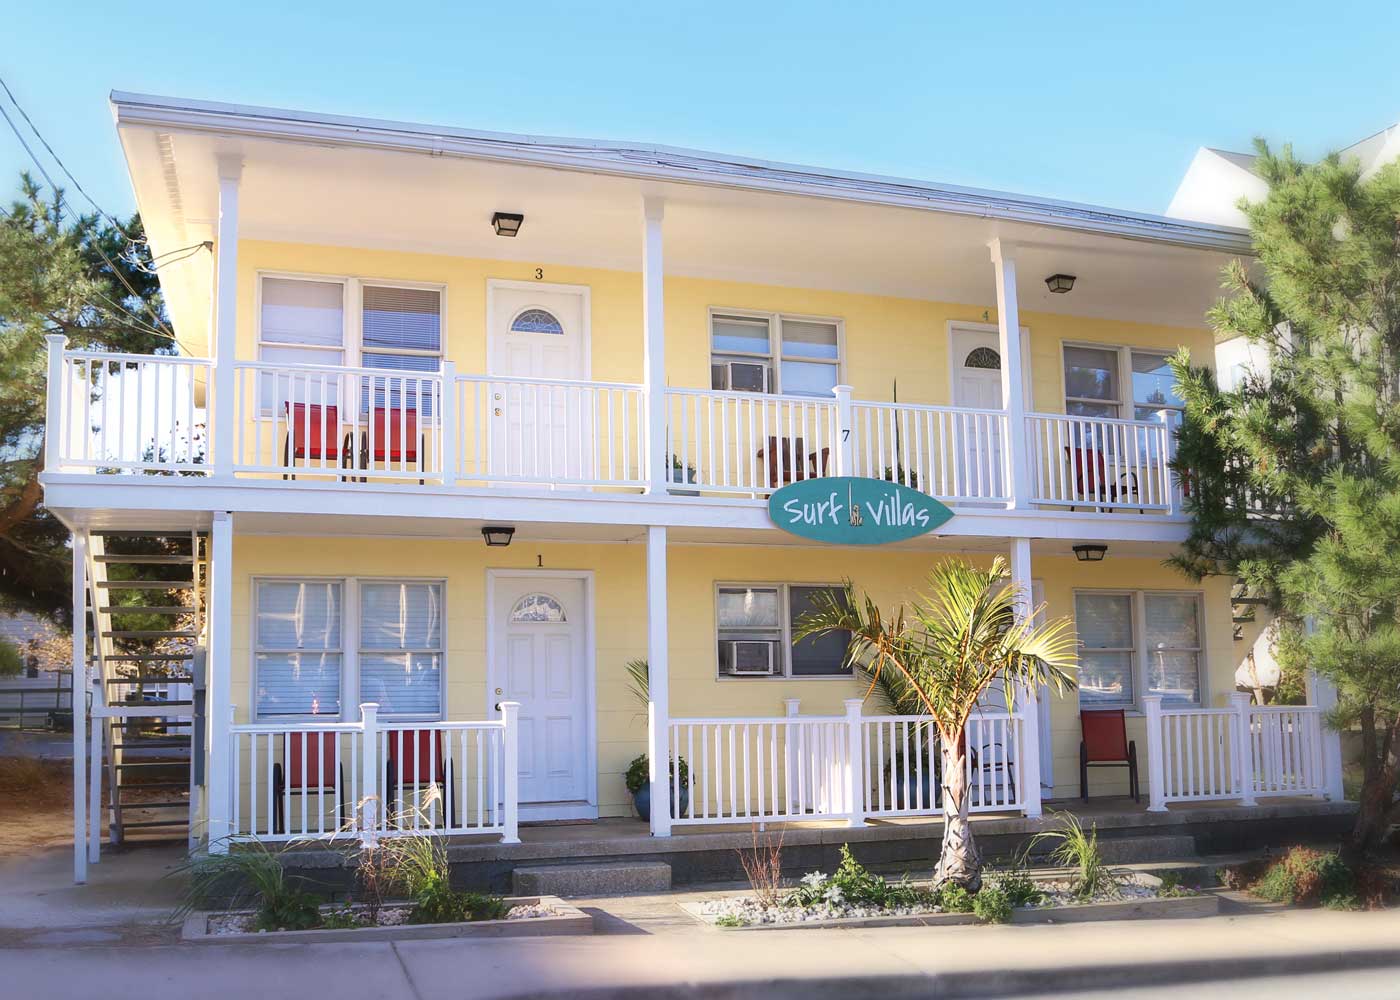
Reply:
x=750, y=658
x=739, y=376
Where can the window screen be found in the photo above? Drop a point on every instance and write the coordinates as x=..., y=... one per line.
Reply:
x=401, y=651
x=298, y=649
x=1107, y=648
x=1172, y=628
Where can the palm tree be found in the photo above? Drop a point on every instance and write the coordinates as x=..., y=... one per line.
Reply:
x=955, y=642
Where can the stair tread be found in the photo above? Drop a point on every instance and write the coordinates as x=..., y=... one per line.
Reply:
x=177, y=803
x=146, y=584
x=144, y=559
x=146, y=609
x=132, y=765
x=153, y=785
x=148, y=823
x=147, y=657
x=151, y=679
x=153, y=633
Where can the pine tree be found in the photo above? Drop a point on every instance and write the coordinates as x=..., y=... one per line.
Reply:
x=1293, y=477
x=59, y=273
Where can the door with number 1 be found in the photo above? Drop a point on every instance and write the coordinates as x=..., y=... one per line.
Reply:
x=540, y=659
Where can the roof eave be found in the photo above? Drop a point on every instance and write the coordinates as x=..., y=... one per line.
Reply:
x=663, y=163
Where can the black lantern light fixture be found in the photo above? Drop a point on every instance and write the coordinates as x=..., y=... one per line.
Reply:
x=1090, y=553
x=498, y=534
x=1060, y=283
x=509, y=223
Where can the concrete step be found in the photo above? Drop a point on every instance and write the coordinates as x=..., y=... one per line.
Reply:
x=1137, y=850
x=601, y=879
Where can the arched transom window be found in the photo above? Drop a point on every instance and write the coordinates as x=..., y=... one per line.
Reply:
x=983, y=357
x=536, y=321
x=537, y=608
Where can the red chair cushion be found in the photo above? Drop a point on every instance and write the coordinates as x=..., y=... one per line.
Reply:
x=318, y=750
x=1105, y=734
x=416, y=756
x=315, y=430
x=394, y=433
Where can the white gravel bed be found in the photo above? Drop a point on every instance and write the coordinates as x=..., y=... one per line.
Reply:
x=389, y=916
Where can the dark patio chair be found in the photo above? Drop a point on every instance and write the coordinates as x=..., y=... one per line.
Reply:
x=785, y=463
x=311, y=770
x=414, y=761
x=313, y=436
x=1105, y=743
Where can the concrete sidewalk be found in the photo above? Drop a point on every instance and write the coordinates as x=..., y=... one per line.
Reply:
x=695, y=962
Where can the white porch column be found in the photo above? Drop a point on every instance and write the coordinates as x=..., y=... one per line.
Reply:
x=1323, y=694
x=80, y=719
x=218, y=699
x=654, y=344
x=225, y=332
x=1156, y=769
x=1028, y=698
x=658, y=685
x=1013, y=370
x=55, y=404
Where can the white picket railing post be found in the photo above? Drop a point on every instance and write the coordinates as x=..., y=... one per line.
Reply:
x=220, y=414
x=369, y=779
x=1156, y=781
x=53, y=414
x=447, y=422
x=1243, y=748
x=845, y=432
x=855, y=763
x=1323, y=694
x=510, y=714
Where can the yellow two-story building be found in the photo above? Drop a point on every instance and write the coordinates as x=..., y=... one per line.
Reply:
x=461, y=424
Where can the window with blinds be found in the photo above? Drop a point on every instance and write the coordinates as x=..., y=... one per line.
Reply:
x=300, y=322
x=401, y=653
x=1138, y=641
x=298, y=653
x=774, y=353
x=400, y=330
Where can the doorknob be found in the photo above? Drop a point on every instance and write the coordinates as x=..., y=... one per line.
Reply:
x=496, y=396
x=499, y=691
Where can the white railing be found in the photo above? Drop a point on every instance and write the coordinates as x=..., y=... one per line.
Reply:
x=903, y=767
x=1100, y=463
x=345, y=423
x=746, y=443
x=1286, y=752
x=796, y=768
x=373, y=778
x=551, y=432
x=948, y=452
x=1241, y=752
x=127, y=413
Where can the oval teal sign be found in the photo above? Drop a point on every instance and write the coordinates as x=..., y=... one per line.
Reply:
x=847, y=510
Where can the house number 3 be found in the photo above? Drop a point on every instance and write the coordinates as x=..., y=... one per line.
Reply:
x=539, y=273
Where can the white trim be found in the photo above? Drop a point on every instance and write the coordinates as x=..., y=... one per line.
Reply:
x=585, y=294
x=686, y=166
x=550, y=810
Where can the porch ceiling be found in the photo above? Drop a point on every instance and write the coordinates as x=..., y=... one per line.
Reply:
x=421, y=200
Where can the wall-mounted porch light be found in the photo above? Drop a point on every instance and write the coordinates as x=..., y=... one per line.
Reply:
x=509, y=223
x=1090, y=553
x=498, y=535
x=1060, y=283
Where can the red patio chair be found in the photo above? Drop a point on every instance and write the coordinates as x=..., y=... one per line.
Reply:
x=312, y=430
x=1091, y=477
x=1105, y=743
x=310, y=770
x=414, y=761
x=393, y=438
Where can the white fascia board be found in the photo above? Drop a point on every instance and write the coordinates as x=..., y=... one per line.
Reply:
x=666, y=163
x=76, y=497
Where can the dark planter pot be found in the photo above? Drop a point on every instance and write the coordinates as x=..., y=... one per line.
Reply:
x=641, y=801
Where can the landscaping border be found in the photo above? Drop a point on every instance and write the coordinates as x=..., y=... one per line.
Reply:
x=568, y=920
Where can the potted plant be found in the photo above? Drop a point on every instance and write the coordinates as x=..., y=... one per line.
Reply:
x=682, y=474
x=897, y=474
x=639, y=683
x=640, y=787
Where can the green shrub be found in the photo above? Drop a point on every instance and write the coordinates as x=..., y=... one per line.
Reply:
x=953, y=898
x=729, y=920
x=640, y=768
x=342, y=919
x=480, y=906
x=992, y=905
x=1078, y=849
x=11, y=660
x=249, y=875
x=1308, y=877
x=436, y=902
x=1017, y=885
x=853, y=883
x=1171, y=887
x=294, y=910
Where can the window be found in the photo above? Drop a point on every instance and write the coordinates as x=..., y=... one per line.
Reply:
x=298, y=652
x=792, y=355
x=401, y=647
x=1136, y=641
x=303, y=321
x=756, y=624
x=537, y=608
x=302, y=662
x=1095, y=378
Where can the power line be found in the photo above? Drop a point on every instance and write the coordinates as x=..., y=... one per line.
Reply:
x=20, y=136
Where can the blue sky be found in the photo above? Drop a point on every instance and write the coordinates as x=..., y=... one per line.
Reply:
x=1102, y=102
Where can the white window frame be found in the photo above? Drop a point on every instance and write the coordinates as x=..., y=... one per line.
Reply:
x=349, y=651
x=773, y=359
x=784, y=667
x=1124, y=405
x=1139, y=650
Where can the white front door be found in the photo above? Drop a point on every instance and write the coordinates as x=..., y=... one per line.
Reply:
x=540, y=659
x=976, y=357
x=540, y=432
